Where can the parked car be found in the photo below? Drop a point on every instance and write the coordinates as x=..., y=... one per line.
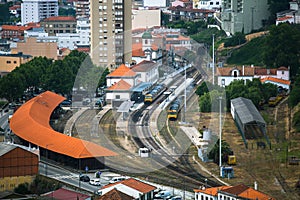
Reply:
x=95, y=181
x=84, y=178
x=163, y=195
x=117, y=179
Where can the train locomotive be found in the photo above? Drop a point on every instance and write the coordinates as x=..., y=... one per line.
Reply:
x=155, y=92
x=174, y=108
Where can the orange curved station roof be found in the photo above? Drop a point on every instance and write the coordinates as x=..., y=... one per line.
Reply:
x=31, y=123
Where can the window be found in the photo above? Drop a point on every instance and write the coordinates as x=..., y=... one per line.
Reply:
x=8, y=61
x=282, y=72
x=235, y=74
x=223, y=82
x=15, y=62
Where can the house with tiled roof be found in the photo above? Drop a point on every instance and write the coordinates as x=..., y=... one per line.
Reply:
x=147, y=71
x=279, y=76
x=64, y=193
x=114, y=194
x=292, y=15
x=131, y=187
x=119, y=82
x=230, y=192
x=144, y=47
x=13, y=32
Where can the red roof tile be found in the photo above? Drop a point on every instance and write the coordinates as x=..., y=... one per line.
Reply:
x=115, y=195
x=135, y=184
x=31, y=123
x=276, y=80
x=284, y=18
x=211, y=191
x=143, y=66
x=264, y=71
x=121, y=85
x=250, y=193
x=122, y=71
x=63, y=194
x=226, y=71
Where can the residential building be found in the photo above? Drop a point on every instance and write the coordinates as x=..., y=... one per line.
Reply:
x=83, y=30
x=115, y=195
x=18, y=165
x=146, y=18
x=110, y=39
x=9, y=62
x=59, y=24
x=147, y=71
x=68, y=40
x=16, y=33
x=82, y=8
x=279, y=76
x=183, y=13
x=144, y=48
x=291, y=16
x=119, y=84
x=36, y=48
x=244, y=15
x=156, y=3
x=207, y=4
x=131, y=187
x=231, y=192
x=36, y=10
x=15, y=10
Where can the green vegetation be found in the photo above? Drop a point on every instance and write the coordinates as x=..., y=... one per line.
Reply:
x=39, y=186
x=254, y=90
x=237, y=39
x=250, y=53
x=205, y=36
x=214, y=153
x=57, y=76
x=276, y=6
x=66, y=12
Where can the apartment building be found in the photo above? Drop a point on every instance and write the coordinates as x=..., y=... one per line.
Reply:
x=110, y=32
x=82, y=8
x=59, y=24
x=244, y=15
x=36, y=10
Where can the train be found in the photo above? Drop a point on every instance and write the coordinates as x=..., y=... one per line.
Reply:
x=273, y=101
x=155, y=92
x=174, y=108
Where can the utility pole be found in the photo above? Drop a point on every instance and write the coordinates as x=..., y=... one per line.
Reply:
x=213, y=60
x=220, y=136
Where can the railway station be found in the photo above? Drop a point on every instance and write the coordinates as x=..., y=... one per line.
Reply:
x=31, y=124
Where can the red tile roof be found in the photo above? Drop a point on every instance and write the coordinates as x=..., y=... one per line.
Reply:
x=137, y=49
x=115, y=195
x=135, y=184
x=121, y=85
x=238, y=190
x=143, y=66
x=276, y=80
x=211, y=191
x=226, y=71
x=264, y=71
x=63, y=194
x=60, y=18
x=122, y=71
x=283, y=68
x=31, y=123
x=284, y=18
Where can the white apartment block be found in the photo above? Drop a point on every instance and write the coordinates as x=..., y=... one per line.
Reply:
x=207, y=4
x=67, y=40
x=36, y=10
x=244, y=15
x=83, y=30
x=111, y=27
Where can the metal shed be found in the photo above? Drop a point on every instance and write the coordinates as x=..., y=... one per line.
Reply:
x=248, y=120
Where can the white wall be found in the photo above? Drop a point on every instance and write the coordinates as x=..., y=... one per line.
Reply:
x=155, y=3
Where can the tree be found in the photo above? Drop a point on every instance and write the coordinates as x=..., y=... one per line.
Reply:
x=238, y=39
x=225, y=150
x=282, y=47
x=276, y=6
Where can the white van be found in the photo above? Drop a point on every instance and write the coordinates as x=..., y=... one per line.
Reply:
x=117, y=179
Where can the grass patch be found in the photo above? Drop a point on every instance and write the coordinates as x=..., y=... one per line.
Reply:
x=250, y=53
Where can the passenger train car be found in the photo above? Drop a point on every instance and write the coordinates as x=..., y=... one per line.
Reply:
x=155, y=92
x=174, y=108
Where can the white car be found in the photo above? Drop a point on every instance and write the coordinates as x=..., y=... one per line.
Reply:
x=118, y=178
x=95, y=182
